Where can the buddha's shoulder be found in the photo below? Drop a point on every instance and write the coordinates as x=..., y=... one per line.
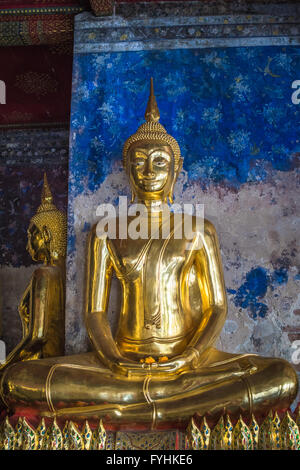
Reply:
x=204, y=226
x=209, y=227
x=104, y=229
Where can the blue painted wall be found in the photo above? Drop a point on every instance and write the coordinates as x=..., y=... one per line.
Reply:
x=230, y=110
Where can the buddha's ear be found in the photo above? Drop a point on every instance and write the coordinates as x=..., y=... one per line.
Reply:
x=180, y=163
x=177, y=171
x=47, y=235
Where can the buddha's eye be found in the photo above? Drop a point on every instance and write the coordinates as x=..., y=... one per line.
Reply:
x=139, y=159
x=160, y=162
x=160, y=159
x=139, y=163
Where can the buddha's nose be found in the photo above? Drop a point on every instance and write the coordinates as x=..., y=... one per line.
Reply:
x=149, y=174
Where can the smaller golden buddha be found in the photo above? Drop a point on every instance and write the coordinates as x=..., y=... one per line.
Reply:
x=42, y=307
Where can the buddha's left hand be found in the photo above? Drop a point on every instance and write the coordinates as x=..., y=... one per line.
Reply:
x=185, y=361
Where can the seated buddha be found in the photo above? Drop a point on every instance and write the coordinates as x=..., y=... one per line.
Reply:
x=42, y=306
x=161, y=366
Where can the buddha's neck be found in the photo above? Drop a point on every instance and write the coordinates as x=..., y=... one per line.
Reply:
x=155, y=212
x=153, y=206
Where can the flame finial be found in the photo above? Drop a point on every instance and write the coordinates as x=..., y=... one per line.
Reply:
x=152, y=112
x=46, y=193
x=152, y=131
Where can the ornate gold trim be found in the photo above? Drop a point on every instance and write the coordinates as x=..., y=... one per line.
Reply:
x=272, y=434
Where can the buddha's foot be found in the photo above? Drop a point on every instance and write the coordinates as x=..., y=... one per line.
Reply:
x=87, y=410
x=140, y=412
x=143, y=412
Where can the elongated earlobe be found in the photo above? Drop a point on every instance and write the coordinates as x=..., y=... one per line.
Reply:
x=48, y=243
x=132, y=197
x=170, y=195
x=177, y=172
x=47, y=234
x=54, y=255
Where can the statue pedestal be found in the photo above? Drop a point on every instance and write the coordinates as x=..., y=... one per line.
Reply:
x=166, y=440
x=277, y=431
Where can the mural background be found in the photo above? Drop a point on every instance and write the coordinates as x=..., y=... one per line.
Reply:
x=229, y=108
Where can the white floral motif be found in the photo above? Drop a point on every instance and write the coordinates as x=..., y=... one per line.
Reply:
x=212, y=116
x=272, y=114
x=239, y=141
x=284, y=61
x=214, y=59
x=240, y=88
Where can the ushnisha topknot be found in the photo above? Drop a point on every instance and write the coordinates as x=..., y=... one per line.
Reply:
x=152, y=130
x=49, y=216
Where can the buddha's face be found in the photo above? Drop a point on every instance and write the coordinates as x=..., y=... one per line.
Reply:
x=36, y=245
x=151, y=169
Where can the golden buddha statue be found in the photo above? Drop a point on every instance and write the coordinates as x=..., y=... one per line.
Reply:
x=42, y=307
x=161, y=367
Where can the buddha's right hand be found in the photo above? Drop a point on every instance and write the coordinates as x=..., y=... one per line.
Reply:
x=128, y=368
x=138, y=369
